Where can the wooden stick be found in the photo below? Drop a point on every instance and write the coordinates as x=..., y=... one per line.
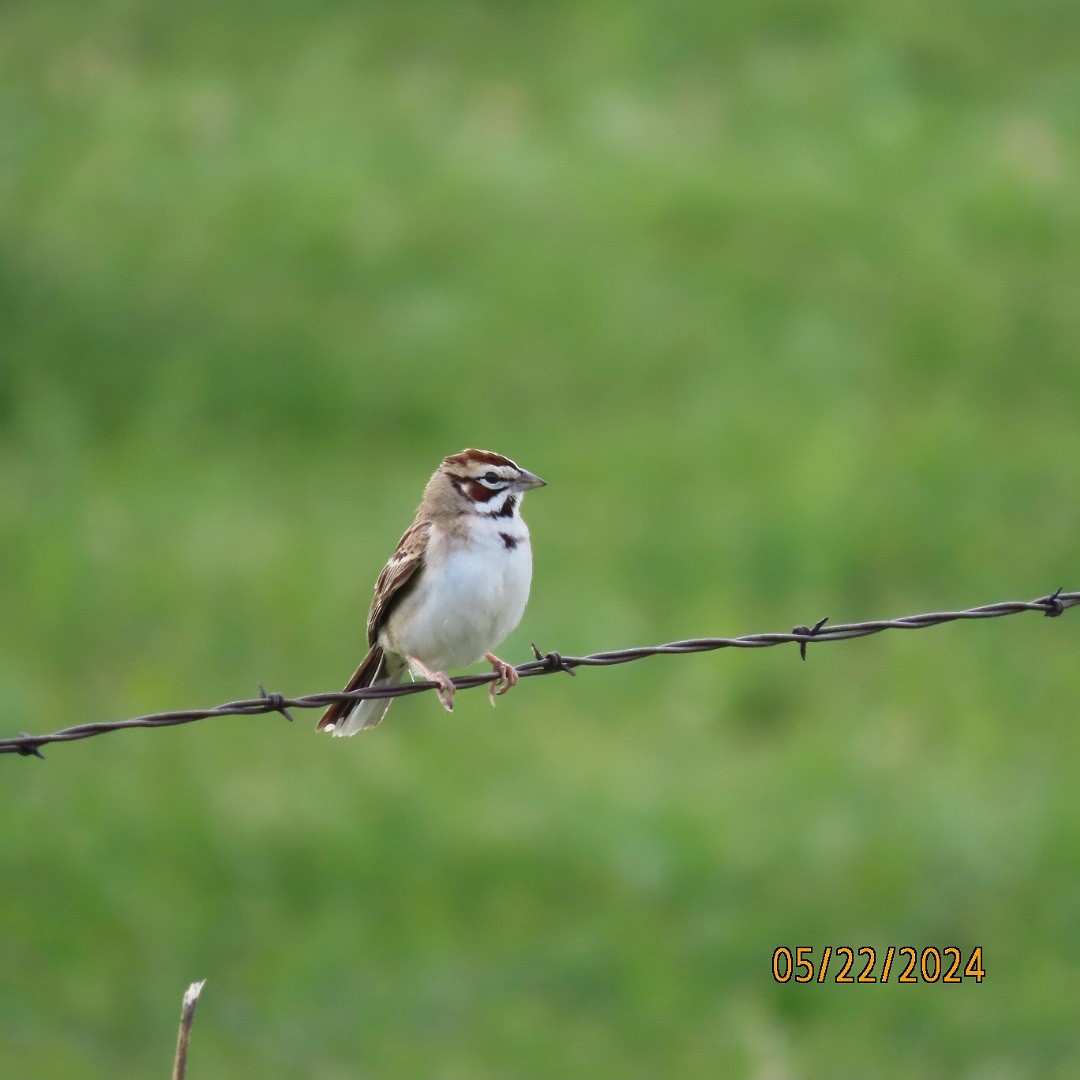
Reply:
x=187, y=1015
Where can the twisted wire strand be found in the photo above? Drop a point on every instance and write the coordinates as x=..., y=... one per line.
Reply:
x=547, y=664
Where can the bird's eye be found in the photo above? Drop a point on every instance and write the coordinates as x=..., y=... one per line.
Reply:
x=491, y=478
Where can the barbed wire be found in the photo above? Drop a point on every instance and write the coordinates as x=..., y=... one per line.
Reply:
x=547, y=664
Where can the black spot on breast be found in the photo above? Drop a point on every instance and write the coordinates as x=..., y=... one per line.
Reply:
x=508, y=540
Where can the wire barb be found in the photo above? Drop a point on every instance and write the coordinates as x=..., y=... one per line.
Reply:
x=547, y=664
x=809, y=631
x=30, y=747
x=1055, y=605
x=553, y=661
x=276, y=702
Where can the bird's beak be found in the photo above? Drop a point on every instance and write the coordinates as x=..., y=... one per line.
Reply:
x=529, y=480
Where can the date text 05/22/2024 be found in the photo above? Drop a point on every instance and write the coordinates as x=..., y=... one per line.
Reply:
x=904, y=964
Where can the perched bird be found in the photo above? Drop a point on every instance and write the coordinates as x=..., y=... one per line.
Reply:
x=453, y=590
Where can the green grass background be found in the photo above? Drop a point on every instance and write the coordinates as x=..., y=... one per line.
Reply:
x=782, y=301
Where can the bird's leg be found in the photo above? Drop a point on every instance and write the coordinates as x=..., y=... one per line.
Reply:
x=507, y=673
x=440, y=679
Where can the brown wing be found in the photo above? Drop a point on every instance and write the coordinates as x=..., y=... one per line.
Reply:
x=398, y=575
x=396, y=578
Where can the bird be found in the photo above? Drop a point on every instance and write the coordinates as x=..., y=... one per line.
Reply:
x=454, y=589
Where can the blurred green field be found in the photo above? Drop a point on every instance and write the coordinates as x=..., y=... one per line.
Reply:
x=782, y=303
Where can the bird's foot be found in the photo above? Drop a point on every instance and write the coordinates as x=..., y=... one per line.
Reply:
x=446, y=689
x=440, y=679
x=507, y=677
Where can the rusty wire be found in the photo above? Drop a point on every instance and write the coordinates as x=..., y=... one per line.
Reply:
x=547, y=664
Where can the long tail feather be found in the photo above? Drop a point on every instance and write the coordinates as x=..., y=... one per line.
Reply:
x=376, y=669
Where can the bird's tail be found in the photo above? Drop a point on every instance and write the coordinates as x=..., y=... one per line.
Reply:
x=376, y=669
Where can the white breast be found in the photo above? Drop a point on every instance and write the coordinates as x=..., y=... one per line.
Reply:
x=470, y=596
